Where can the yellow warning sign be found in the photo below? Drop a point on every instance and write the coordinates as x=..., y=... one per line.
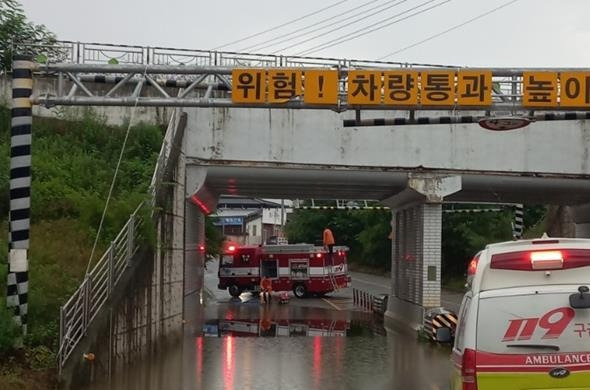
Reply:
x=539, y=89
x=400, y=88
x=575, y=89
x=321, y=87
x=283, y=85
x=438, y=88
x=364, y=87
x=248, y=86
x=474, y=88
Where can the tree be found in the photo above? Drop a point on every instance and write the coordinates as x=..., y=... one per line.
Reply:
x=364, y=232
x=465, y=234
x=15, y=30
x=213, y=239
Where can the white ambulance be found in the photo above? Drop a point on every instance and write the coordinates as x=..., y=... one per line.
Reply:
x=525, y=321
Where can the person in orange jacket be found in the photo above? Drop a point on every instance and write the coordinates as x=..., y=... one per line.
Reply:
x=265, y=289
x=329, y=243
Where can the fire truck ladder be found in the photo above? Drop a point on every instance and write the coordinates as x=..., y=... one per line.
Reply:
x=331, y=328
x=331, y=275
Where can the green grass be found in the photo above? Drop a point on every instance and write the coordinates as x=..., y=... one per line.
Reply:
x=72, y=167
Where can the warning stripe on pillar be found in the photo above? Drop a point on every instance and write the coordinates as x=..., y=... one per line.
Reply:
x=20, y=188
x=438, y=321
x=518, y=225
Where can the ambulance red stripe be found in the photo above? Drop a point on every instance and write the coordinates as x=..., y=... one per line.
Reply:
x=492, y=362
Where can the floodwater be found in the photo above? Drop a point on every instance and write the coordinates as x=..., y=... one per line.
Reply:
x=316, y=350
x=308, y=344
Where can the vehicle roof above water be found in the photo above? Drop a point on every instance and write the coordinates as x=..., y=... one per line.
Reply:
x=487, y=278
x=520, y=244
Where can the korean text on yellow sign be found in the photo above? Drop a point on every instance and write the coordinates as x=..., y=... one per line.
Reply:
x=320, y=87
x=400, y=88
x=283, y=85
x=364, y=87
x=438, y=88
x=575, y=89
x=248, y=86
x=539, y=89
x=474, y=88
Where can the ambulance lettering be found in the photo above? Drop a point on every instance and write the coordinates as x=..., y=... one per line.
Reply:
x=554, y=321
x=544, y=360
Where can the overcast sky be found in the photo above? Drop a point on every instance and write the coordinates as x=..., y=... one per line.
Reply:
x=527, y=33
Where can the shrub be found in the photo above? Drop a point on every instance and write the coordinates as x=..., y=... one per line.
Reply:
x=10, y=332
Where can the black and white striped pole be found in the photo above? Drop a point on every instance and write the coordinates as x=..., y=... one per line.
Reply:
x=20, y=188
x=518, y=224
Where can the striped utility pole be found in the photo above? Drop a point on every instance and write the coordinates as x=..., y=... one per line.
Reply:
x=20, y=188
x=517, y=225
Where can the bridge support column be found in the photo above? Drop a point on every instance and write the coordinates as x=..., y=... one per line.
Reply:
x=581, y=220
x=416, y=247
x=194, y=259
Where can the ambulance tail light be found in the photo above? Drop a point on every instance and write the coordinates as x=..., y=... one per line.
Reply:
x=469, y=370
x=541, y=260
x=472, y=267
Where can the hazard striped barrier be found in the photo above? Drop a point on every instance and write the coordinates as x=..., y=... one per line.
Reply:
x=437, y=319
x=518, y=225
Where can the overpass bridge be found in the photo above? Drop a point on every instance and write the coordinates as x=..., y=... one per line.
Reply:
x=305, y=147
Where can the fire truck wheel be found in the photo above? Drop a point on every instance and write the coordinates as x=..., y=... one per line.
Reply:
x=234, y=291
x=299, y=290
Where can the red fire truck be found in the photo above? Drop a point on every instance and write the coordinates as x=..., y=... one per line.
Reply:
x=303, y=268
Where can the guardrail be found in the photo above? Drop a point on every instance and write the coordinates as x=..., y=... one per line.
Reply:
x=103, y=53
x=362, y=299
x=84, y=305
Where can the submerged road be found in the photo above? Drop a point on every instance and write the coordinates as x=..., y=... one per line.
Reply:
x=308, y=344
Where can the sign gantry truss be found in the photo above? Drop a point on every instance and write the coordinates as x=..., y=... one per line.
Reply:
x=506, y=90
x=155, y=76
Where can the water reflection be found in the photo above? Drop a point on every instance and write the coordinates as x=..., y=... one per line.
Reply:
x=307, y=353
x=266, y=327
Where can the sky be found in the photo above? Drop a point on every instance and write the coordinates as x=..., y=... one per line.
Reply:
x=525, y=33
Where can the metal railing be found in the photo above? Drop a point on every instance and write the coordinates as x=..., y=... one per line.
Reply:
x=103, y=53
x=77, y=314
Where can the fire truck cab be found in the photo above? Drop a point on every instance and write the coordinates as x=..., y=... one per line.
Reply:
x=302, y=268
x=524, y=322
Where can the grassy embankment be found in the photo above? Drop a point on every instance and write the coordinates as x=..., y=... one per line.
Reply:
x=72, y=168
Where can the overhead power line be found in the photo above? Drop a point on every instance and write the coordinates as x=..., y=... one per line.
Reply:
x=281, y=25
x=372, y=28
x=316, y=26
x=396, y=3
x=449, y=29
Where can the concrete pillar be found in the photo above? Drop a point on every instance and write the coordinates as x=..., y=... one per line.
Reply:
x=431, y=254
x=581, y=219
x=416, y=246
x=199, y=201
x=194, y=259
x=583, y=230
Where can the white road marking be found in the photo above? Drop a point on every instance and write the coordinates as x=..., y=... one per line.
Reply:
x=332, y=304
